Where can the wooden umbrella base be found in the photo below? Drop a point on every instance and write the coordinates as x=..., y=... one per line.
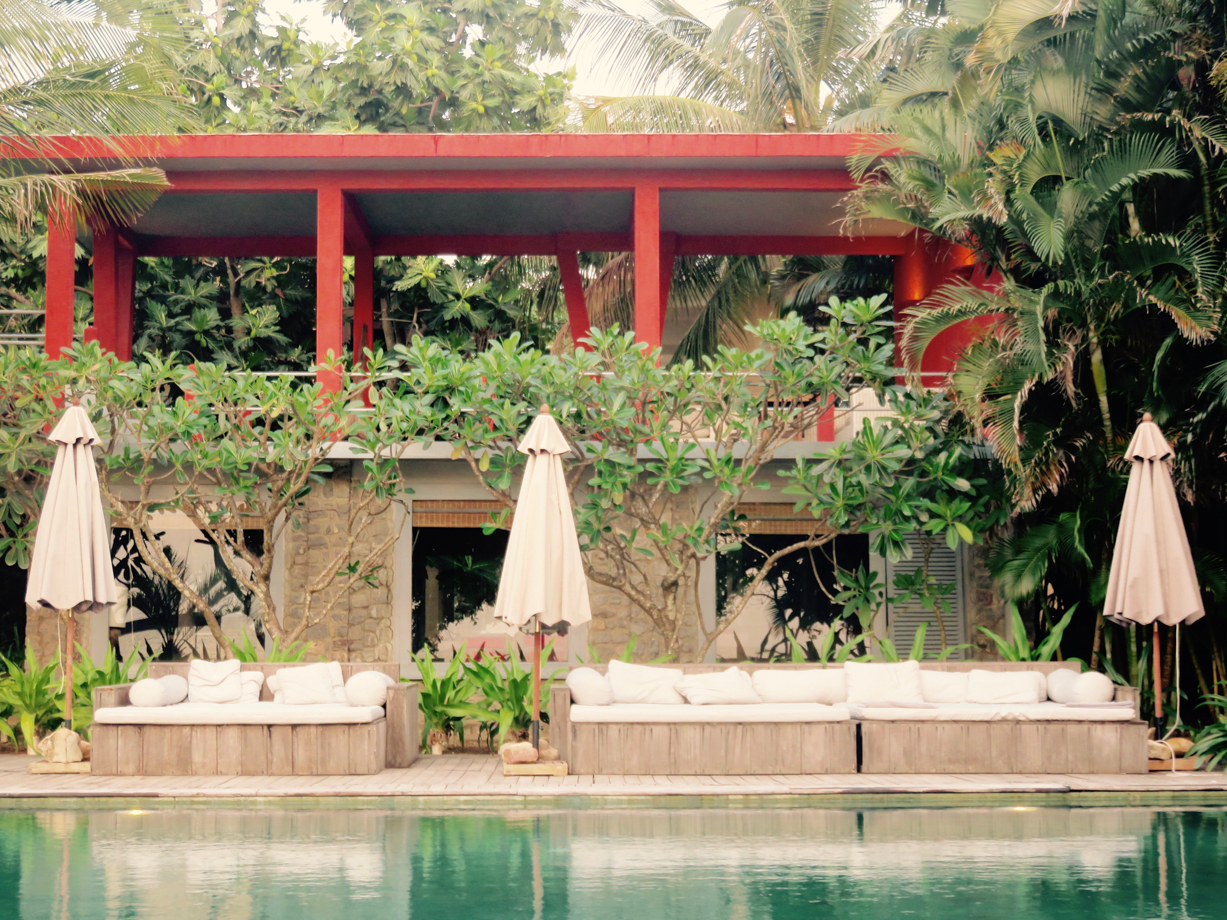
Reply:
x=46, y=766
x=540, y=768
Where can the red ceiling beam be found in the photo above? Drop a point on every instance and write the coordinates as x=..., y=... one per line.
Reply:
x=524, y=245
x=466, y=180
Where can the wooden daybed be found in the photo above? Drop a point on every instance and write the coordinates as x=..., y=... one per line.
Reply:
x=245, y=749
x=874, y=741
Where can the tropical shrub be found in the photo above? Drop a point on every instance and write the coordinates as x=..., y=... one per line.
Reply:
x=87, y=675
x=31, y=693
x=1020, y=649
x=445, y=700
x=506, y=689
x=1210, y=743
x=246, y=652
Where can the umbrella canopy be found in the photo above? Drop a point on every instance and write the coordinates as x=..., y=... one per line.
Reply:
x=543, y=570
x=1152, y=577
x=71, y=565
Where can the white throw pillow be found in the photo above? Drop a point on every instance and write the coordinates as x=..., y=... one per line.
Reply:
x=1093, y=687
x=175, y=687
x=252, y=681
x=213, y=682
x=147, y=692
x=1003, y=687
x=637, y=683
x=724, y=688
x=1061, y=685
x=589, y=687
x=368, y=688
x=899, y=682
x=811, y=685
x=312, y=684
x=943, y=686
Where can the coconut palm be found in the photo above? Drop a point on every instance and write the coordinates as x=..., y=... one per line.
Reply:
x=102, y=69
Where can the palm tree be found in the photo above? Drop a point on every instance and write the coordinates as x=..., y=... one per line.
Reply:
x=101, y=69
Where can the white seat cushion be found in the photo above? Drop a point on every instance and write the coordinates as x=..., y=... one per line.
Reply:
x=214, y=682
x=868, y=682
x=1001, y=712
x=722, y=688
x=1005, y=687
x=943, y=686
x=637, y=683
x=804, y=685
x=238, y=714
x=763, y=712
x=589, y=687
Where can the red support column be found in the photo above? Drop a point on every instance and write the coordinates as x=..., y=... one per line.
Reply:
x=573, y=292
x=649, y=311
x=329, y=285
x=125, y=300
x=668, y=249
x=61, y=279
x=364, y=303
x=106, y=287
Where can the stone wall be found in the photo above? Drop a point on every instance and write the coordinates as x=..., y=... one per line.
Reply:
x=359, y=627
x=984, y=605
x=45, y=632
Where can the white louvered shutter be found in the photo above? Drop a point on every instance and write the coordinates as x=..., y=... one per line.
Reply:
x=902, y=620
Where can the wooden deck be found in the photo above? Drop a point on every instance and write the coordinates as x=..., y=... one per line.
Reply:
x=477, y=776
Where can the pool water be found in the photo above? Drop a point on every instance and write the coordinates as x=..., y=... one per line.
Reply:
x=242, y=863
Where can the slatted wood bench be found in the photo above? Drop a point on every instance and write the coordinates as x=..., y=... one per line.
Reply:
x=258, y=750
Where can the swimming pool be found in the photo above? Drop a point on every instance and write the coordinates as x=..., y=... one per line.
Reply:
x=1013, y=861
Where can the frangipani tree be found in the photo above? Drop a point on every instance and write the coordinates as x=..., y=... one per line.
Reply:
x=663, y=457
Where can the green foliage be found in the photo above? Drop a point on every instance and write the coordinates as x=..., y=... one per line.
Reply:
x=445, y=699
x=246, y=652
x=30, y=692
x=1020, y=648
x=506, y=689
x=1210, y=743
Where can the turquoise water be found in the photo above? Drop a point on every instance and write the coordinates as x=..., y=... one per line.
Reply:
x=708, y=864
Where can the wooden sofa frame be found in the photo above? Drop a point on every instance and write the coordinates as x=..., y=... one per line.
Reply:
x=758, y=748
x=258, y=750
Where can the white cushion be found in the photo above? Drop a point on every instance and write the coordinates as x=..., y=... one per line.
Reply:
x=763, y=712
x=998, y=712
x=368, y=688
x=1003, y=687
x=251, y=682
x=589, y=687
x=723, y=688
x=313, y=684
x=238, y=714
x=637, y=683
x=943, y=686
x=213, y=681
x=879, y=681
x=1093, y=687
x=175, y=686
x=808, y=685
x=1061, y=685
x=147, y=692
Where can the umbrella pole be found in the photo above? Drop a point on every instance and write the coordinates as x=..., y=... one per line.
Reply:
x=1155, y=656
x=537, y=685
x=68, y=694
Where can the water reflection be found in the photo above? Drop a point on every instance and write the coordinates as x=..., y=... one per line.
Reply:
x=1024, y=863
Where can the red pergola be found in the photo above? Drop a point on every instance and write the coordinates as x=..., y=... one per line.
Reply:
x=328, y=196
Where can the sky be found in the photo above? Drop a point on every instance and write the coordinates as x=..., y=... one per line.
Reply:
x=588, y=80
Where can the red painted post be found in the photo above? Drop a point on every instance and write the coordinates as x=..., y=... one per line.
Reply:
x=329, y=284
x=364, y=303
x=125, y=300
x=61, y=279
x=106, y=278
x=649, y=312
x=573, y=291
x=668, y=249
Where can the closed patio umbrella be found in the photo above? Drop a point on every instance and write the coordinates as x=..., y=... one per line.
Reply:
x=1152, y=580
x=542, y=581
x=70, y=568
